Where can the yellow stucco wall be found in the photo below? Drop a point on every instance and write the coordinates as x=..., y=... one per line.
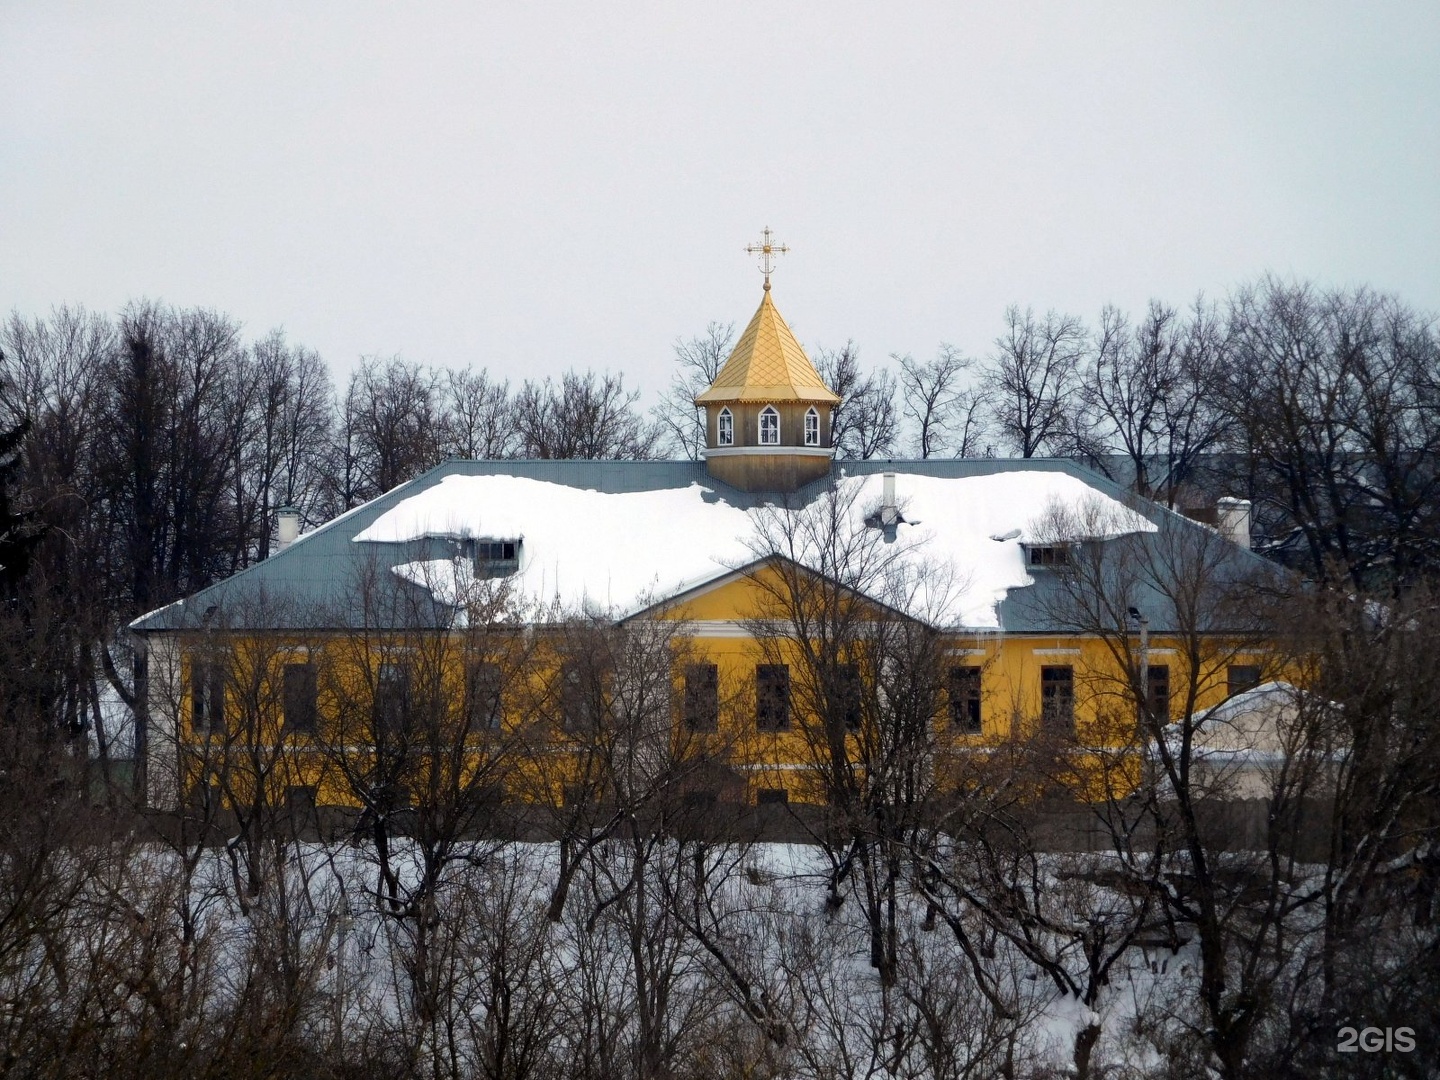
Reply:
x=256, y=754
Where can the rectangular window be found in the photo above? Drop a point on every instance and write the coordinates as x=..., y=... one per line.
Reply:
x=1241, y=677
x=581, y=698
x=496, y=550
x=702, y=697
x=965, y=699
x=300, y=800
x=391, y=713
x=772, y=796
x=772, y=697
x=1057, y=698
x=1157, y=692
x=848, y=691
x=484, y=691
x=394, y=796
x=496, y=558
x=300, y=698
x=1050, y=556
x=207, y=697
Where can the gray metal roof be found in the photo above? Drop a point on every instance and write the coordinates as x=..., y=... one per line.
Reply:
x=328, y=580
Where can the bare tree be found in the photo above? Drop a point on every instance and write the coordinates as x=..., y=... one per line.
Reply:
x=865, y=423
x=1162, y=795
x=168, y=450
x=1333, y=394
x=52, y=375
x=1030, y=380
x=478, y=421
x=1152, y=392
x=601, y=725
x=946, y=414
x=699, y=360
x=993, y=880
x=1370, y=705
x=289, y=402
x=390, y=428
x=585, y=416
x=836, y=614
x=507, y=999
x=167, y=445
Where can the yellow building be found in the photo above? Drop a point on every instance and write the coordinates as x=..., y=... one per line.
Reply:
x=528, y=628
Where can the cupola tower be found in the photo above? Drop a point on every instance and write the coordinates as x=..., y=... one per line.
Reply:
x=768, y=413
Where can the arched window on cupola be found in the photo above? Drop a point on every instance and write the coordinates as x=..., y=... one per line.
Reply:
x=769, y=426
x=725, y=428
x=812, y=427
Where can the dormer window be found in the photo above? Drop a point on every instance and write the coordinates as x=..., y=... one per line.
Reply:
x=812, y=427
x=1049, y=555
x=725, y=428
x=496, y=558
x=769, y=426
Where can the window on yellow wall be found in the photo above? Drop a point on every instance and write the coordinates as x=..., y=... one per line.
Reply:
x=772, y=697
x=848, y=695
x=391, y=709
x=1157, y=692
x=484, y=687
x=394, y=796
x=1057, y=698
x=207, y=697
x=300, y=800
x=1241, y=677
x=964, y=688
x=582, y=697
x=300, y=698
x=702, y=697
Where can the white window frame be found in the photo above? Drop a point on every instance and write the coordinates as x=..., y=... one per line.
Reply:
x=725, y=428
x=812, y=426
x=769, y=410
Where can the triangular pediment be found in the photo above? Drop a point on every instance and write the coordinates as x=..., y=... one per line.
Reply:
x=752, y=591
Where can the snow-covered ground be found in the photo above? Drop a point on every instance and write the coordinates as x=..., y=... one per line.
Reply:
x=808, y=961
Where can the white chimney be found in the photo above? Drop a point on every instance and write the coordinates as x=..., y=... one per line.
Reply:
x=287, y=527
x=889, y=512
x=1232, y=518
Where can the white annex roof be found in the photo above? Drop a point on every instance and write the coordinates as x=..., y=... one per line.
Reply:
x=619, y=551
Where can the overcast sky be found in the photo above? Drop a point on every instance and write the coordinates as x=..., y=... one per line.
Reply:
x=534, y=186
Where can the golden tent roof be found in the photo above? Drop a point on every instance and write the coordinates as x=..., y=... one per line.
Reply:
x=768, y=364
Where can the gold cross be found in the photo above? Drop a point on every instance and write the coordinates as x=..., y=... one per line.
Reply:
x=767, y=251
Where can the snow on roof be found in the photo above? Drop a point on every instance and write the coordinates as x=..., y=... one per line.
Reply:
x=1255, y=725
x=1265, y=701
x=614, y=551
